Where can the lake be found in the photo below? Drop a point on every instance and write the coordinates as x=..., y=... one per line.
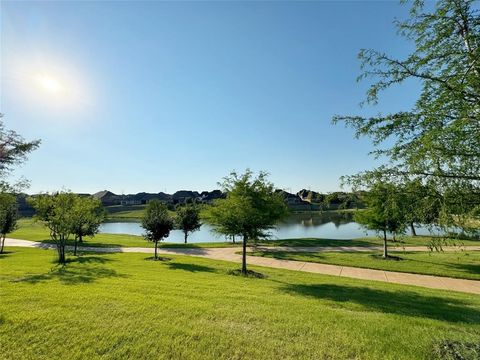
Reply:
x=308, y=225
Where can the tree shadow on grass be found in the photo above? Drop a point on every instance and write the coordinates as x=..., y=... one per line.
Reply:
x=47, y=243
x=470, y=268
x=406, y=303
x=88, y=259
x=81, y=270
x=191, y=267
x=5, y=254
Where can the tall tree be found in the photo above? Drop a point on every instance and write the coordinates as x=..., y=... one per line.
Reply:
x=13, y=151
x=385, y=211
x=87, y=215
x=157, y=223
x=437, y=140
x=250, y=209
x=56, y=211
x=8, y=216
x=188, y=219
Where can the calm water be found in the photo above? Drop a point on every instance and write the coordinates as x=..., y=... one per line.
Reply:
x=326, y=225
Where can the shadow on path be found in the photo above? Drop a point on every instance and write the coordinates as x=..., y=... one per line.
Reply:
x=394, y=302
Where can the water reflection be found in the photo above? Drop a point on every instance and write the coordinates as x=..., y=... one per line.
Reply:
x=319, y=219
x=329, y=225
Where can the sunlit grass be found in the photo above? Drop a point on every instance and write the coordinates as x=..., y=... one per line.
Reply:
x=118, y=306
x=461, y=264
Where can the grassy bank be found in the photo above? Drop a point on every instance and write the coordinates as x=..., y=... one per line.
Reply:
x=116, y=306
x=460, y=264
x=125, y=212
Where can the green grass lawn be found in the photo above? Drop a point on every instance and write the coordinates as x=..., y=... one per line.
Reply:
x=119, y=306
x=462, y=264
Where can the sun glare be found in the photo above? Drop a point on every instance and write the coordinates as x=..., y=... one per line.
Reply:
x=48, y=83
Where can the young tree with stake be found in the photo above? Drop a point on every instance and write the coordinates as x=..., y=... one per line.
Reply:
x=157, y=223
x=188, y=219
x=88, y=214
x=250, y=209
x=56, y=211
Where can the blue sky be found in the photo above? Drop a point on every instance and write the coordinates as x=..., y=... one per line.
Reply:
x=162, y=96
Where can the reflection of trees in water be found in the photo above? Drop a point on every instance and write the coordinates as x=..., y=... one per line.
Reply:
x=318, y=219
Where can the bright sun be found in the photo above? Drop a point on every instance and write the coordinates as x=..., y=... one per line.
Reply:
x=49, y=83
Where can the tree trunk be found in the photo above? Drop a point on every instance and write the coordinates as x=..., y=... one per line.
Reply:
x=2, y=240
x=61, y=252
x=80, y=238
x=244, y=255
x=156, y=253
x=185, y=233
x=75, y=247
x=233, y=238
x=385, y=253
x=412, y=228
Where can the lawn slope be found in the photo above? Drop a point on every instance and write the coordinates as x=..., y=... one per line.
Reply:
x=459, y=264
x=116, y=306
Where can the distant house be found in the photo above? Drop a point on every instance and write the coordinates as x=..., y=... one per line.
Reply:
x=184, y=196
x=295, y=202
x=108, y=198
x=209, y=196
x=130, y=200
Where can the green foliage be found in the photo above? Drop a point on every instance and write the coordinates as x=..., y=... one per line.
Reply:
x=88, y=214
x=422, y=203
x=438, y=139
x=157, y=222
x=188, y=219
x=66, y=214
x=8, y=216
x=250, y=209
x=343, y=200
x=14, y=150
x=386, y=211
x=56, y=211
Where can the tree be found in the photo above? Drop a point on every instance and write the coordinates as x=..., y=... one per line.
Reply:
x=157, y=223
x=385, y=211
x=250, y=209
x=88, y=214
x=13, y=151
x=56, y=210
x=188, y=219
x=438, y=139
x=422, y=204
x=8, y=216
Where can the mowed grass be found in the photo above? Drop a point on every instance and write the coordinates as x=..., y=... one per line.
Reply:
x=122, y=306
x=461, y=264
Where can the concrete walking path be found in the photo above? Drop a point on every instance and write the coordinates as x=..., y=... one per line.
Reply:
x=230, y=254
